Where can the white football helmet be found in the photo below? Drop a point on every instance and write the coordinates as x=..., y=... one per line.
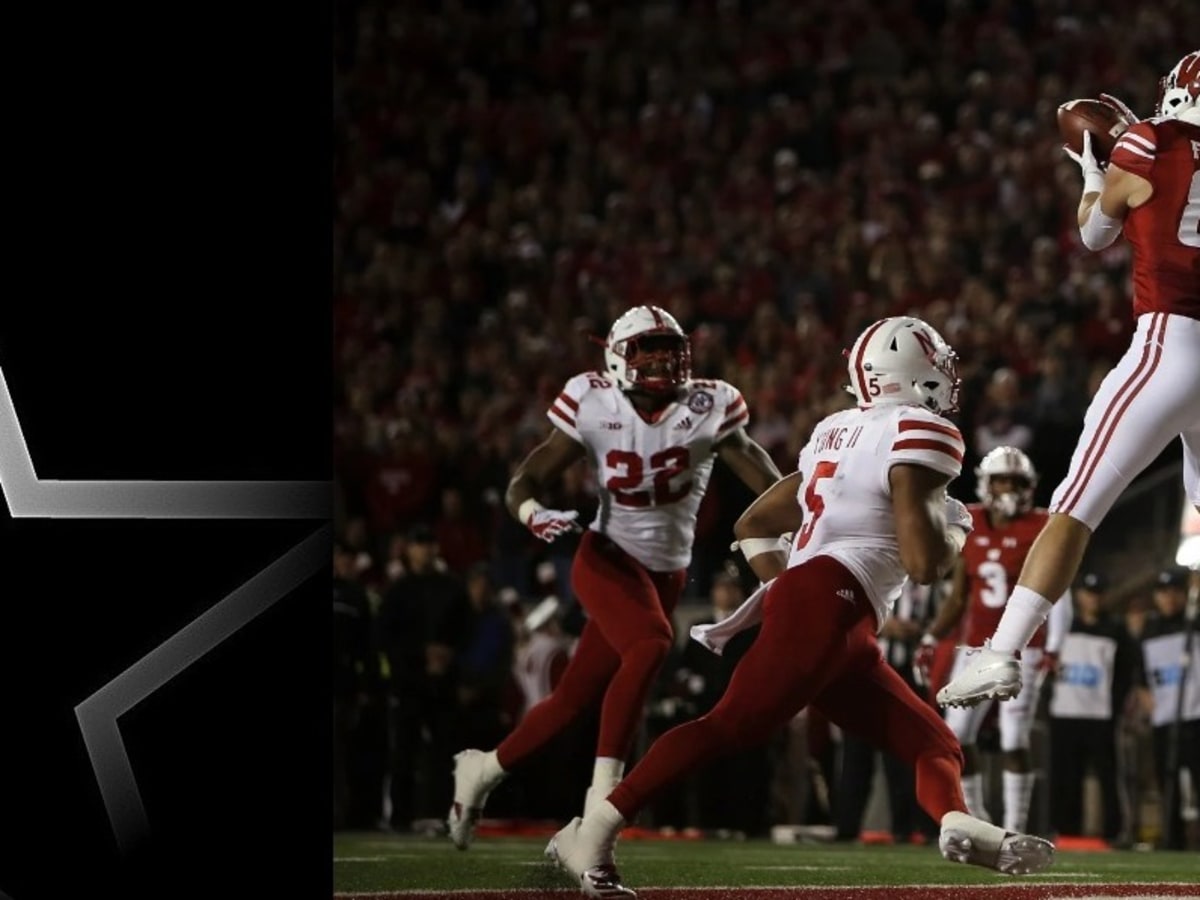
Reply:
x=648, y=351
x=1006, y=462
x=1179, y=91
x=903, y=360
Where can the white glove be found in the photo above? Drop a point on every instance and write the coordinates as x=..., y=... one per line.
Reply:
x=959, y=523
x=1093, y=175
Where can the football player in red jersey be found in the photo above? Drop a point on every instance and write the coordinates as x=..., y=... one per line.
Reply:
x=1151, y=192
x=1006, y=525
x=652, y=432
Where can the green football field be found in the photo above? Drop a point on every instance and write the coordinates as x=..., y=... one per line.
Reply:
x=381, y=865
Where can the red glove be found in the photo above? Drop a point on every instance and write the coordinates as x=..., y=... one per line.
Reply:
x=548, y=524
x=923, y=660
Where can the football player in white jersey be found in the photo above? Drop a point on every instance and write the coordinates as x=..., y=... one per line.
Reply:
x=652, y=433
x=869, y=509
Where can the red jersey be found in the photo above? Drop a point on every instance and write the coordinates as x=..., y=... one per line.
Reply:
x=1164, y=232
x=993, y=558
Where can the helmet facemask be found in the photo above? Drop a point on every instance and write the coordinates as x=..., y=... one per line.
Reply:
x=1005, y=480
x=656, y=362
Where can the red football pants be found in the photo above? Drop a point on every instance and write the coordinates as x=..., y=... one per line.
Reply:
x=818, y=648
x=627, y=636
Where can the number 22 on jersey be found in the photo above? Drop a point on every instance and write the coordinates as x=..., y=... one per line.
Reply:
x=629, y=470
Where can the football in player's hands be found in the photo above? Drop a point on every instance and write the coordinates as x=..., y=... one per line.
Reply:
x=1104, y=120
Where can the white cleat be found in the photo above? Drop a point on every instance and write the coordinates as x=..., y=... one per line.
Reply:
x=965, y=839
x=590, y=861
x=472, y=784
x=988, y=674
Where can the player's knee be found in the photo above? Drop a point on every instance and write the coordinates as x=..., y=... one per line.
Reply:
x=944, y=743
x=650, y=651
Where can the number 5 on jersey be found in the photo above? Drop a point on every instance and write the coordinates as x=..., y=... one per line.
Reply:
x=814, y=503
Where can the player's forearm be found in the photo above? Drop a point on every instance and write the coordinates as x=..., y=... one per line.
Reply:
x=927, y=551
x=1086, y=202
x=772, y=513
x=521, y=488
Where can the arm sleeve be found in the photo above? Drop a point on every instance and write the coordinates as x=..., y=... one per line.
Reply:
x=926, y=439
x=735, y=413
x=564, y=411
x=1136, y=149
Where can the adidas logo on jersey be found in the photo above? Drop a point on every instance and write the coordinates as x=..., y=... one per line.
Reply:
x=846, y=594
x=685, y=422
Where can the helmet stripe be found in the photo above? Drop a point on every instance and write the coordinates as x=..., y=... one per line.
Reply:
x=858, y=359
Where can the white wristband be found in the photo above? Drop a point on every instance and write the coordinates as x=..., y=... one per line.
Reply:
x=752, y=547
x=526, y=510
x=1093, y=182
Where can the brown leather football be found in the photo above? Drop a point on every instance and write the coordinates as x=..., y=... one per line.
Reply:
x=1104, y=122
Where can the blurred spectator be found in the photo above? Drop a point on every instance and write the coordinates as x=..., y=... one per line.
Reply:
x=423, y=621
x=1172, y=693
x=1093, y=678
x=356, y=696
x=485, y=663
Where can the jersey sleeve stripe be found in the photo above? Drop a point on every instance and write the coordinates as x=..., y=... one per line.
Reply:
x=737, y=404
x=566, y=400
x=918, y=425
x=733, y=421
x=1145, y=142
x=929, y=444
x=1129, y=148
x=562, y=414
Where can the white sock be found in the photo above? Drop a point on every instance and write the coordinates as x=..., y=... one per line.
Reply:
x=1018, y=790
x=605, y=776
x=972, y=786
x=607, y=772
x=602, y=824
x=1024, y=613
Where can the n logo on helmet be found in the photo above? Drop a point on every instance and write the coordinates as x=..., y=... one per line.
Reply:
x=926, y=342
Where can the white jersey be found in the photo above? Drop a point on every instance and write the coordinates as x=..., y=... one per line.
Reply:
x=846, y=496
x=652, y=474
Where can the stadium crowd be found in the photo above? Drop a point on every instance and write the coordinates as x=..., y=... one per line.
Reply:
x=509, y=178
